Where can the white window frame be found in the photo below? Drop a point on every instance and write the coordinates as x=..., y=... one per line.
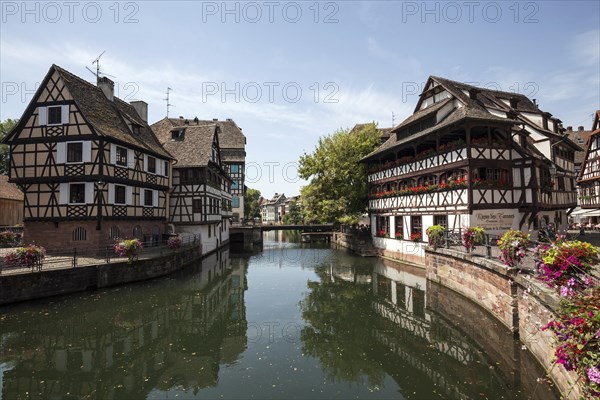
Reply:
x=43, y=115
x=61, y=152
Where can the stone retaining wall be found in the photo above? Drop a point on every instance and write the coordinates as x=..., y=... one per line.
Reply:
x=520, y=303
x=35, y=285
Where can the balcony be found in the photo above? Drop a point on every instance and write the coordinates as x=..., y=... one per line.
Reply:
x=434, y=200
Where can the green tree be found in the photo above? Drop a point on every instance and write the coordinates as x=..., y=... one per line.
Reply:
x=251, y=208
x=337, y=191
x=5, y=127
x=294, y=217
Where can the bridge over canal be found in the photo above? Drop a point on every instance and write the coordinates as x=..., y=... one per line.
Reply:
x=248, y=236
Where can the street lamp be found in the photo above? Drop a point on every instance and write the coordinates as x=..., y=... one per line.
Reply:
x=552, y=169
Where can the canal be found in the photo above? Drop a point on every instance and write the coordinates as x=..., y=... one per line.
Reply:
x=293, y=321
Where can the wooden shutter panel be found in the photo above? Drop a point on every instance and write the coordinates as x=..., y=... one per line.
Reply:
x=89, y=192
x=61, y=150
x=130, y=158
x=111, y=193
x=65, y=114
x=87, y=151
x=113, y=154
x=155, y=198
x=129, y=195
x=63, y=197
x=42, y=116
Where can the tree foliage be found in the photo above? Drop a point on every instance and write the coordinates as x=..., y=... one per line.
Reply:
x=5, y=127
x=337, y=191
x=251, y=208
x=294, y=217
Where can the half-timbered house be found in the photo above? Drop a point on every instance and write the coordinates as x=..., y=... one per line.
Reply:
x=232, y=143
x=589, y=177
x=90, y=166
x=200, y=201
x=469, y=157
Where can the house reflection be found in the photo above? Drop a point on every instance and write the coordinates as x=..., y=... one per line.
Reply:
x=129, y=341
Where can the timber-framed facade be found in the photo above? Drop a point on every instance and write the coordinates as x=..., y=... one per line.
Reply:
x=589, y=177
x=467, y=157
x=200, y=201
x=90, y=166
x=232, y=145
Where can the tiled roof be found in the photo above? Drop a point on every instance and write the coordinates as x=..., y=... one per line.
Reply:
x=109, y=118
x=581, y=138
x=456, y=116
x=230, y=135
x=194, y=148
x=9, y=190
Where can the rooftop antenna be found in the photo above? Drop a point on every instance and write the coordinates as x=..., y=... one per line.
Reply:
x=393, y=119
x=167, y=99
x=97, y=62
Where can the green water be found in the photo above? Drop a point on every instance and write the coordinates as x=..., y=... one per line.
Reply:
x=290, y=322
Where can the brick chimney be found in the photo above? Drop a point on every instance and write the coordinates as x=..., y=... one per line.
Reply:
x=580, y=128
x=141, y=107
x=107, y=86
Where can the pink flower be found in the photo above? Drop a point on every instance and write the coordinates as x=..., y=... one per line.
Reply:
x=594, y=374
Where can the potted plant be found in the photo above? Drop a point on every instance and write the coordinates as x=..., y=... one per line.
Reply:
x=174, y=243
x=28, y=256
x=128, y=248
x=416, y=237
x=435, y=234
x=473, y=236
x=513, y=245
x=7, y=238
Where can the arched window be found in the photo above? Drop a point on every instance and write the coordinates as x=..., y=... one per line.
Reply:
x=137, y=232
x=79, y=234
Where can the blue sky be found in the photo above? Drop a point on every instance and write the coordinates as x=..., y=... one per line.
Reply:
x=289, y=72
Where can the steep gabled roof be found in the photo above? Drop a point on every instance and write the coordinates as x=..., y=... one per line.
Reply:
x=109, y=118
x=194, y=147
x=230, y=135
x=9, y=191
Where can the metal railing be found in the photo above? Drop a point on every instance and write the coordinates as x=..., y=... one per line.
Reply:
x=72, y=257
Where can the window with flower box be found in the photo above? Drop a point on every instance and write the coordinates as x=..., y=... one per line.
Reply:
x=399, y=227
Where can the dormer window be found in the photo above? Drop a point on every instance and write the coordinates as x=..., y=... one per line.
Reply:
x=136, y=129
x=177, y=134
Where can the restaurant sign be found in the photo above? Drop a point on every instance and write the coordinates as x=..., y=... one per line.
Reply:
x=493, y=220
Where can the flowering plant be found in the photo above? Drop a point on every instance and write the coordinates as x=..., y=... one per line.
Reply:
x=564, y=264
x=174, y=243
x=512, y=246
x=128, y=248
x=381, y=233
x=416, y=237
x=399, y=235
x=7, y=237
x=28, y=256
x=577, y=330
x=473, y=236
x=435, y=234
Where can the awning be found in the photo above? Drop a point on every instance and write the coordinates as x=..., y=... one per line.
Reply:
x=586, y=212
x=592, y=213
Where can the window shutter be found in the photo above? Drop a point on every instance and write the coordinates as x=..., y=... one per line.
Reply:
x=111, y=193
x=155, y=198
x=61, y=150
x=145, y=166
x=129, y=195
x=159, y=167
x=87, y=151
x=65, y=114
x=63, y=197
x=130, y=158
x=89, y=193
x=113, y=154
x=42, y=115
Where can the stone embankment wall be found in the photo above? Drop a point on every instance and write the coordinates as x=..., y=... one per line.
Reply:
x=521, y=304
x=35, y=285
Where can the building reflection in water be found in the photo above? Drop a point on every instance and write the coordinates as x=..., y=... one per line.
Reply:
x=386, y=319
x=128, y=341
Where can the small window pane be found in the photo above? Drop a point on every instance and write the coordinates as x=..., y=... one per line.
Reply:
x=119, y=194
x=235, y=202
x=77, y=193
x=197, y=205
x=54, y=115
x=148, y=198
x=74, y=152
x=121, y=156
x=152, y=165
x=234, y=168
